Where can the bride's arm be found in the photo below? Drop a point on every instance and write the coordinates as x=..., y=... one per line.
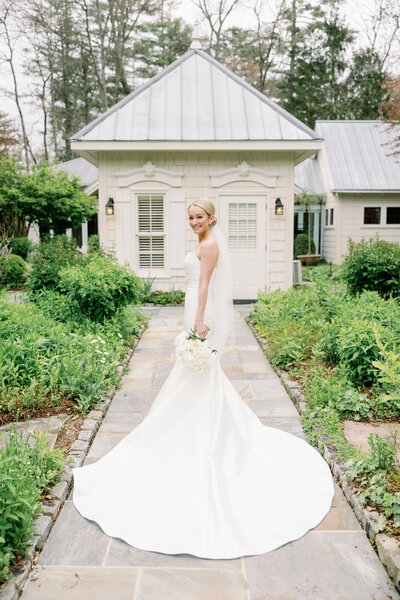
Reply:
x=209, y=256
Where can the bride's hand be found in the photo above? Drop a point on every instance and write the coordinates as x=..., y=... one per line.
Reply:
x=201, y=329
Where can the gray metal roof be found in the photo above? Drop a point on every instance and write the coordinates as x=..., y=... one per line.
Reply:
x=307, y=176
x=80, y=167
x=195, y=98
x=358, y=155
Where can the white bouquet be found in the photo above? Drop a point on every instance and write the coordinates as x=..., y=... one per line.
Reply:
x=193, y=350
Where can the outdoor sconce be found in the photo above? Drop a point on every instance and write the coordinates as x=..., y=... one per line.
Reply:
x=110, y=206
x=278, y=207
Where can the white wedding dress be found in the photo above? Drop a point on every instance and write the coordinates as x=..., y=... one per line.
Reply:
x=201, y=474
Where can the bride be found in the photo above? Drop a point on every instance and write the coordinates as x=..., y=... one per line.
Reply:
x=201, y=474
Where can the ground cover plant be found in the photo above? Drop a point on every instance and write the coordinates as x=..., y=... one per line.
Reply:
x=27, y=468
x=60, y=345
x=345, y=352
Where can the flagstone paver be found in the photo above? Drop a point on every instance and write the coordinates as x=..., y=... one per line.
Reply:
x=334, y=561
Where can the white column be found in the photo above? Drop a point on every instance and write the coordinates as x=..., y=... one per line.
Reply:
x=84, y=247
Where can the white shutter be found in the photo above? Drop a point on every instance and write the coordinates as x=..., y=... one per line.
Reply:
x=151, y=231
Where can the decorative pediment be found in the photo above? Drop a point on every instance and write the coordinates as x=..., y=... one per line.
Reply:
x=149, y=172
x=243, y=172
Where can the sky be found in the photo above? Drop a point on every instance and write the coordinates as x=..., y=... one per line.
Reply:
x=355, y=11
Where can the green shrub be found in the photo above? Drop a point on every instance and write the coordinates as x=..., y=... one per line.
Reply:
x=171, y=297
x=49, y=258
x=373, y=265
x=93, y=243
x=26, y=471
x=301, y=245
x=43, y=359
x=100, y=286
x=12, y=271
x=21, y=246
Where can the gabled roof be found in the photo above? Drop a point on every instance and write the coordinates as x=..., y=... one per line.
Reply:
x=195, y=99
x=308, y=177
x=82, y=168
x=358, y=156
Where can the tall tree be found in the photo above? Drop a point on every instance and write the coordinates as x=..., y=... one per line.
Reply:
x=163, y=41
x=8, y=136
x=314, y=86
x=255, y=53
x=390, y=111
x=9, y=13
x=365, y=85
x=215, y=14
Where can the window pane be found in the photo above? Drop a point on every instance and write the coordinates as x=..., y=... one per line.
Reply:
x=326, y=216
x=372, y=215
x=331, y=220
x=393, y=215
x=242, y=225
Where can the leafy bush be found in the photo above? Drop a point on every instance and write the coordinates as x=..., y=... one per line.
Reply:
x=100, y=286
x=26, y=471
x=171, y=297
x=49, y=258
x=373, y=265
x=43, y=359
x=301, y=245
x=94, y=243
x=21, y=246
x=12, y=271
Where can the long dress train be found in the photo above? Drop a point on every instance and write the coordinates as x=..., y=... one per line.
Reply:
x=201, y=474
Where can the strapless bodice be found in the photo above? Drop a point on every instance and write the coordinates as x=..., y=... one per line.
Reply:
x=192, y=269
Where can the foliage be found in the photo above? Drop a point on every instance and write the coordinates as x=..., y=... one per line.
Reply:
x=388, y=378
x=314, y=85
x=27, y=468
x=49, y=258
x=94, y=243
x=302, y=243
x=12, y=271
x=8, y=136
x=100, y=286
x=365, y=85
x=21, y=246
x=389, y=111
x=160, y=297
x=162, y=42
x=49, y=350
x=373, y=264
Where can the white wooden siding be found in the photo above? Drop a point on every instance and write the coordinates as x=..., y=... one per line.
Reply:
x=352, y=219
x=117, y=232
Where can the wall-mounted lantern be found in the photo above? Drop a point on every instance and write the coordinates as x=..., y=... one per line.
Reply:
x=110, y=206
x=278, y=207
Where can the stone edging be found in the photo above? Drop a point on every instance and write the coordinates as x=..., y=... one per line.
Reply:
x=387, y=547
x=59, y=492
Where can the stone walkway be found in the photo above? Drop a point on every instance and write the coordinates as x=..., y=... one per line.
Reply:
x=334, y=561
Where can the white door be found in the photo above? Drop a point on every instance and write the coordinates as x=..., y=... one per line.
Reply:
x=243, y=221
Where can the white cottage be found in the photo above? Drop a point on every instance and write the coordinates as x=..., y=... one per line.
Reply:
x=360, y=177
x=196, y=129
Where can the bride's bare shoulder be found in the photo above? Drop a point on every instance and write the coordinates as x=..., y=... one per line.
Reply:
x=209, y=249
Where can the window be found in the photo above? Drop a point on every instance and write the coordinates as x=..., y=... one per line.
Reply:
x=393, y=215
x=331, y=216
x=326, y=217
x=151, y=231
x=372, y=215
x=242, y=225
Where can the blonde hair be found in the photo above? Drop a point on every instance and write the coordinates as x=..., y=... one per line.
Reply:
x=208, y=206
